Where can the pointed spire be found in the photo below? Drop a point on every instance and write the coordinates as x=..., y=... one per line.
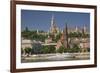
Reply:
x=65, y=37
x=84, y=28
x=76, y=29
x=66, y=29
x=52, y=20
x=53, y=26
x=37, y=31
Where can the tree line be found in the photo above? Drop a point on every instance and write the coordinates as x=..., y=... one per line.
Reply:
x=39, y=49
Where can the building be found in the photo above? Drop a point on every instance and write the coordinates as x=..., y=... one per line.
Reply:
x=84, y=44
x=26, y=43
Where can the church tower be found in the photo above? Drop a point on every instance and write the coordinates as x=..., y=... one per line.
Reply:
x=64, y=37
x=63, y=41
x=53, y=29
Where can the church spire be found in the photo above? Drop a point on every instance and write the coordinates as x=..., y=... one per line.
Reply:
x=53, y=25
x=54, y=30
x=64, y=37
x=66, y=29
x=76, y=29
x=52, y=21
x=84, y=28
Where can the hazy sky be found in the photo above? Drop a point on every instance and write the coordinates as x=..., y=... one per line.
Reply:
x=41, y=20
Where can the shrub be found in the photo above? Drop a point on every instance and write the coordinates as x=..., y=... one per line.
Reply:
x=28, y=50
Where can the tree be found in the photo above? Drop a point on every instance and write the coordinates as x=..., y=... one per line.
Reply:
x=88, y=49
x=52, y=49
x=75, y=49
x=48, y=49
x=26, y=34
x=75, y=34
x=28, y=50
x=36, y=48
x=62, y=49
x=45, y=50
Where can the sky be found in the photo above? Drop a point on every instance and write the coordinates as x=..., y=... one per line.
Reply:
x=41, y=20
